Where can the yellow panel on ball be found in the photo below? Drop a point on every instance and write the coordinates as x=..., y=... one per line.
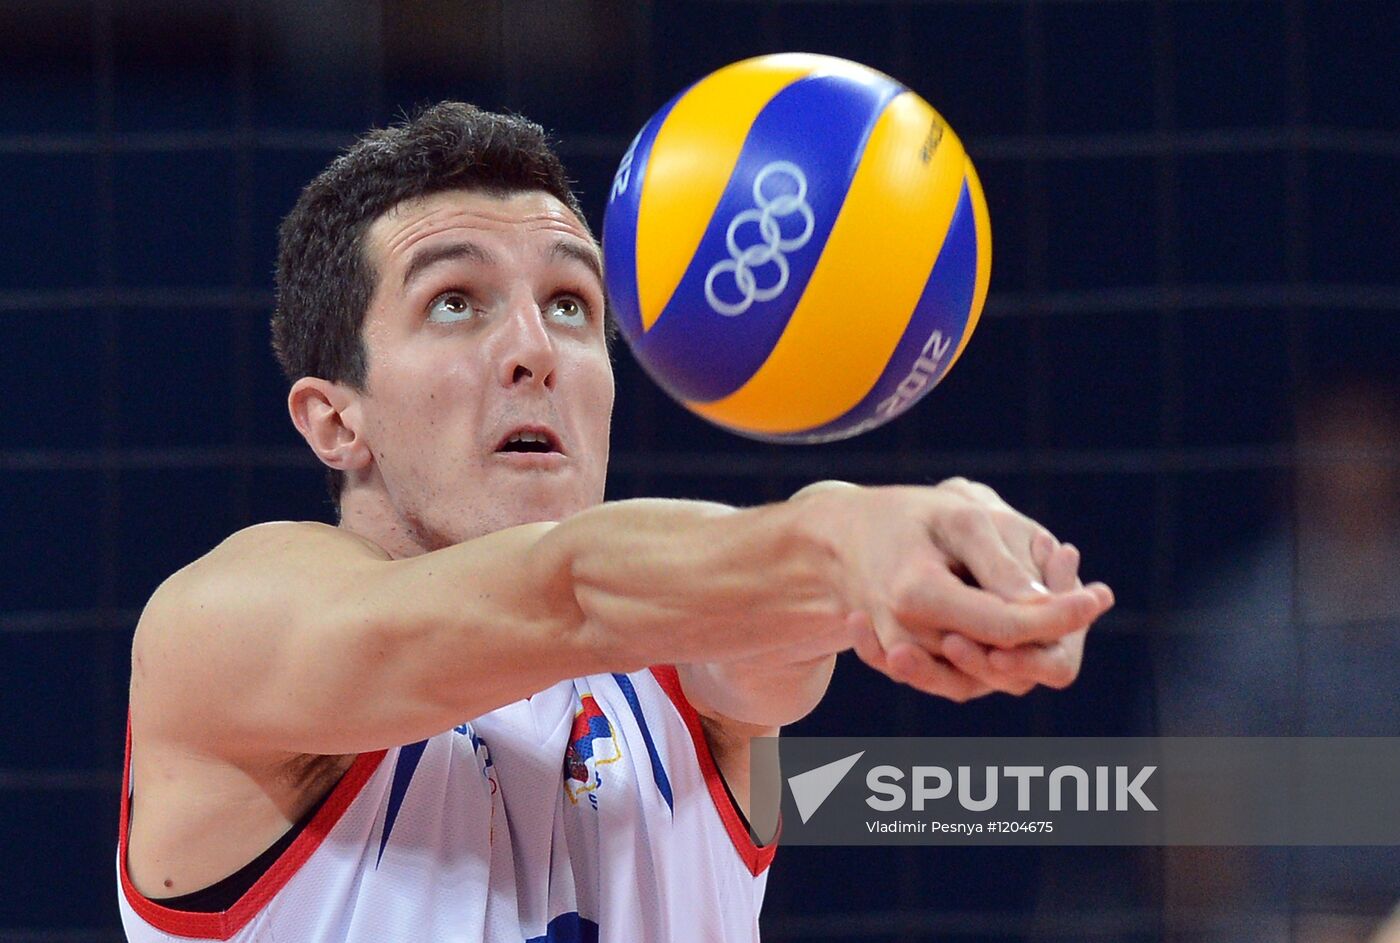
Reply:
x=691, y=161
x=877, y=260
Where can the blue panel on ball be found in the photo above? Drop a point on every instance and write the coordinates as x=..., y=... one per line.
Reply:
x=620, y=224
x=920, y=358
x=818, y=127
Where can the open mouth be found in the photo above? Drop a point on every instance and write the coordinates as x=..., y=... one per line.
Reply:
x=531, y=440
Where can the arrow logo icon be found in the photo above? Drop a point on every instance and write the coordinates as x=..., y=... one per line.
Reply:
x=810, y=789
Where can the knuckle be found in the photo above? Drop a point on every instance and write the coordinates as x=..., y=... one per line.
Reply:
x=1010, y=570
x=986, y=492
x=895, y=670
x=1005, y=519
x=1087, y=612
x=871, y=656
x=964, y=520
x=1043, y=547
x=1062, y=674
x=904, y=604
x=917, y=676
x=908, y=591
x=1003, y=684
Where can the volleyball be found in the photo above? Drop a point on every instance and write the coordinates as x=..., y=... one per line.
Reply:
x=796, y=248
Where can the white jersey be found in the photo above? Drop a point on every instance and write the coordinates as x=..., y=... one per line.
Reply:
x=592, y=811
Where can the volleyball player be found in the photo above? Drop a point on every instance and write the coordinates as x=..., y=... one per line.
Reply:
x=452, y=718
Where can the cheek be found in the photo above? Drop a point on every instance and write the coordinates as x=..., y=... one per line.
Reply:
x=601, y=394
x=426, y=378
x=412, y=408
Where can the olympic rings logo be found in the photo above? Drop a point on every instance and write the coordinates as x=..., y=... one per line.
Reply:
x=771, y=250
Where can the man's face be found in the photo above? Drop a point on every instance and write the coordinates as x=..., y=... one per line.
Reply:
x=489, y=387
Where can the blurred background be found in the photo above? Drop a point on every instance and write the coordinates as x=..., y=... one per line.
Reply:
x=1187, y=366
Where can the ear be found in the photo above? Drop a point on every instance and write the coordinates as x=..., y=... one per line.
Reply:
x=328, y=417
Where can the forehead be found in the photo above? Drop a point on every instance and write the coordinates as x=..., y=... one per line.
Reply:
x=531, y=216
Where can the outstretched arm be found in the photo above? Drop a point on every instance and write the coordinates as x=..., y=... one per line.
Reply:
x=302, y=638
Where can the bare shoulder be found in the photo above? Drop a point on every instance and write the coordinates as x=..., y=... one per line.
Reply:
x=206, y=797
x=206, y=626
x=233, y=573
x=264, y=547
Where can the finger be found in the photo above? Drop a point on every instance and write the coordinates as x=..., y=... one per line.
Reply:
x=943, y=602
x=1055, y=665
x=972, y=660
x=865, y=642
x=883, y=633
x=1062, y=569
x=1060, y=580
x=1028, y=541
x=968, y=535
x=1043, y=544
x=911, y=665
x=1103, y=594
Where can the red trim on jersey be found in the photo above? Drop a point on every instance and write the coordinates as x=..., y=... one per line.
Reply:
x=223, y=925
x=755, y=857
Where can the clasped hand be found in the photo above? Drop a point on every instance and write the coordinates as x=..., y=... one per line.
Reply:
x=952, y=591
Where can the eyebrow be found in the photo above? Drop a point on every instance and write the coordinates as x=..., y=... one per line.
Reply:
x=577, y=253
x=427, y=258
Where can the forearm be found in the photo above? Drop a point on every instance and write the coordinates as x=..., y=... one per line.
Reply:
x=681, y=582
x=304, y=638
x=615, y=588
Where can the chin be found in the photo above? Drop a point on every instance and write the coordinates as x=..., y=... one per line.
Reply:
x=482, y=521
x=546, y=500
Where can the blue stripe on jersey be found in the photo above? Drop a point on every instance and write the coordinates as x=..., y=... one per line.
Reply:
x=568, y=928
x=658, y=772
x=404, y=769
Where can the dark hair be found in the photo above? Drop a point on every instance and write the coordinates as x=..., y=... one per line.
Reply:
x=324, y=281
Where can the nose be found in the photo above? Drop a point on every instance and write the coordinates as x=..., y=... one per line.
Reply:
x=525, y=350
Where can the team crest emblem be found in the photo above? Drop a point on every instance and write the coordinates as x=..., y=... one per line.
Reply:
x=592, y=745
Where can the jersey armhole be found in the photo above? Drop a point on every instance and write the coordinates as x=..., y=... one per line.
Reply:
x=223, y=925
x=756, y=857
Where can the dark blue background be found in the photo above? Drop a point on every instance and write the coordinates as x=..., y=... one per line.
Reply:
x=1195, y=216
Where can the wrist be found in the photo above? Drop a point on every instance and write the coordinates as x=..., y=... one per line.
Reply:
x=822, y=516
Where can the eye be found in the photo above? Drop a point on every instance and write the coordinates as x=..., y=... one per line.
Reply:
x=450, y=307
x=566, y=309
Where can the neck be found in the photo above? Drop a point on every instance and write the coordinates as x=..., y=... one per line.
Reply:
x=371, y=517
